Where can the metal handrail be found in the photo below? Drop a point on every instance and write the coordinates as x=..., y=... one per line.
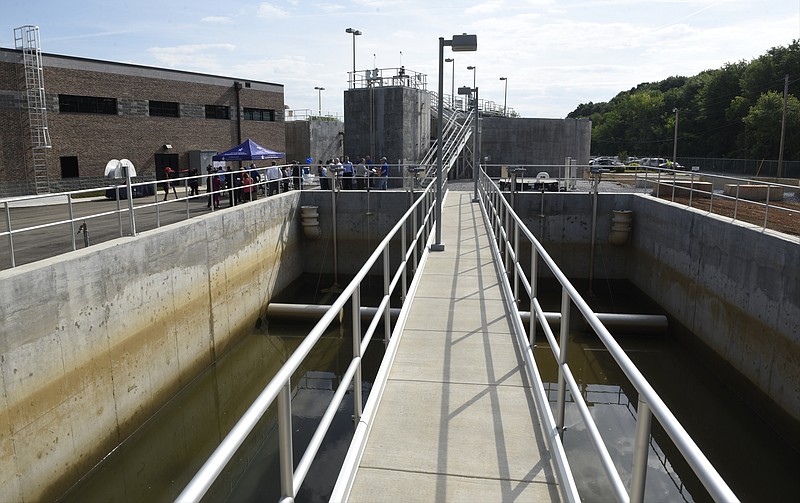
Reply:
x=496, y=210
x=670, y=177
x=420, y=219
x=122, y=211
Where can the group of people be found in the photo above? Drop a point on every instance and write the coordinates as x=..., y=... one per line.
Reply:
x=244, y=185
x=363, y=175
x=241, y=186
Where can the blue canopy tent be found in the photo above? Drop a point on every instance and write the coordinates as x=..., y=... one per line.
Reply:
x=248, y=151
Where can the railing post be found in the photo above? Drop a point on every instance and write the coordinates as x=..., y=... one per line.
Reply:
x=119, y=214
x=404, y=248
x=158, y=212
x=533, y=282
x=414, y=229
x=736, y=201
x=658, y=183
x=641, y=448
x=516, y=261
x=691, y=188
x=507, y=238
x=10, y=234
x=73, y=232
x=387, y=321
x=285, y=440
x=766, y=206
x=562, y=360
x=358, y=406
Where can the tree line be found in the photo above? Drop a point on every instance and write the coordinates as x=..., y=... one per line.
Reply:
x=731, y=112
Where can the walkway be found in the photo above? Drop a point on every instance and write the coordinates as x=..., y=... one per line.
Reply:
x=457, y=421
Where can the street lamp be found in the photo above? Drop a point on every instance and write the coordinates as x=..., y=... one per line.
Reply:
x=452, y=82
x=505, y=95
x=676, y=111
x=458, y=43
x=473, y=74
x=320, y=89
x=355, y=34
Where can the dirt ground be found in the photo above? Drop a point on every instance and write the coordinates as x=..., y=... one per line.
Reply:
x=782, y=217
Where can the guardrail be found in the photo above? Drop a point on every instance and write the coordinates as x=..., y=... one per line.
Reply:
x=508, y=230
x=413, y=231
x=22, y=229
x=743, y=199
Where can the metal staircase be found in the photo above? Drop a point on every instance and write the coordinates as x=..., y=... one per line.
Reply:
x=26, y=39
x=455, y=138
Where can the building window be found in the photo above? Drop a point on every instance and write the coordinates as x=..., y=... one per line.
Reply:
x=69, y=167
x=259, y=114
x=218, y=112
x=68, y=103
x=164, y=109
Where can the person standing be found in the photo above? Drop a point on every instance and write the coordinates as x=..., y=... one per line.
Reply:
x=209, y=184
x=347, y=174
x=361, y=175
x=194, y=182
x=297, y=179
x=248, y=188
x=167, y=184
x=216, y=185
x=322, y=173
x=287, y=174
x=384, y=176
x=273, y=177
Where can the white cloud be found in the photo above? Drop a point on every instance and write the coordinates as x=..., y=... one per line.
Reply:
x=268, y=10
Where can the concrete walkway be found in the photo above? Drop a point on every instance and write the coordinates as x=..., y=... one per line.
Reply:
x=457, y=421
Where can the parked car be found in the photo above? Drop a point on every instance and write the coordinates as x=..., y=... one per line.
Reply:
x=660, y=162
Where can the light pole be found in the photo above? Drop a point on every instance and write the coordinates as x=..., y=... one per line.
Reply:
x=505, y=95
x=320, y=89
x=355, y=34
x=473, y=74
x=457, y=44
x=452, y=82
x=675, y=140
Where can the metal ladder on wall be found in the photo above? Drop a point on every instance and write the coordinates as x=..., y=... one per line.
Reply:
x=26, y=39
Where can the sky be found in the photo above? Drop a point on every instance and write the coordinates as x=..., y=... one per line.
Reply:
x=555, y=54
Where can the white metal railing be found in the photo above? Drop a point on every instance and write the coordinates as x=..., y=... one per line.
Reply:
x=680, y=186
x=307, y=114
x=128, y=216
x=702, y=191
x=508, y=232
x=413, y=231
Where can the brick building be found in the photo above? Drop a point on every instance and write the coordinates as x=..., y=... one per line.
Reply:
x=100, y=110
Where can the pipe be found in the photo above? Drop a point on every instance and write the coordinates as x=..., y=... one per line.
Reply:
x=627, y=322
x=651, y=323
x=285, y=311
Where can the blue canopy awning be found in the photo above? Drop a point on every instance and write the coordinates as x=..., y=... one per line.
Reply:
x=248, y=151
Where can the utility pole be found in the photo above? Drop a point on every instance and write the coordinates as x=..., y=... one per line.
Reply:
x=783, y=125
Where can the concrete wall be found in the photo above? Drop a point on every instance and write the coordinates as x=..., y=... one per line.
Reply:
x=364, y=218
x=535, y=141
x=95, y=341
x=391, y=121
x=731, y=284
x=320, y=140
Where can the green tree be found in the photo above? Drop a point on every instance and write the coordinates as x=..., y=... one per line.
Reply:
x=763, y=126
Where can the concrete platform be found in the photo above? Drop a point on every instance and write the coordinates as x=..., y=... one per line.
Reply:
x=457, y=421
x=754, y=192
